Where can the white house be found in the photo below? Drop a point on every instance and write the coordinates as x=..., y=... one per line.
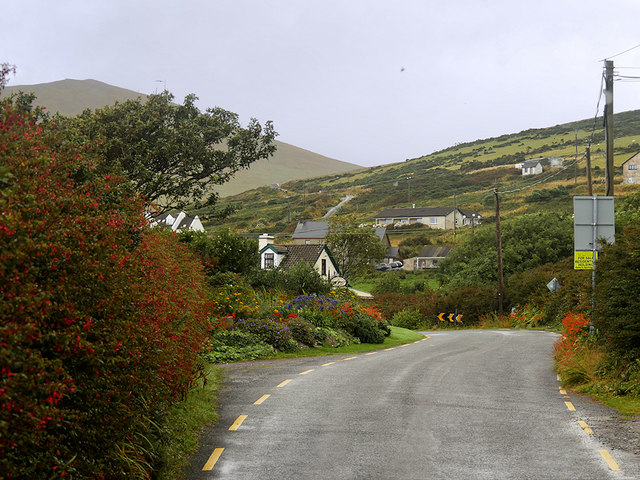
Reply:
x=180, y=222
x=532, y=167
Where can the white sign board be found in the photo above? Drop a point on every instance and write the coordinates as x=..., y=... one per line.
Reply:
x=593, y=217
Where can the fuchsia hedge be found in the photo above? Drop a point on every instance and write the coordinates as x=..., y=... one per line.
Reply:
x=102, y=318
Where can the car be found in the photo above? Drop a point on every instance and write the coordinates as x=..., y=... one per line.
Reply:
x=383, y=267
x=396, y=264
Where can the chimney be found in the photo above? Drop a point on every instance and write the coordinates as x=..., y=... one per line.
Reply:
x=264, y=240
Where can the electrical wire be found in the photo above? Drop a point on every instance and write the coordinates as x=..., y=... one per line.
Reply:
x=621, y=53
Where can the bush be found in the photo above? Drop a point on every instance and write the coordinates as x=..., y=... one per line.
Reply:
x=273, y=332
x=368, y=331
x=302, y=278
x=302, y=331
x=235, y=345
x=103, y=319
x=411, y=319
x=388, y=282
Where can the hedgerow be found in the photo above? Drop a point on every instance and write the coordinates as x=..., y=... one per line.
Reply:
x=102, y=319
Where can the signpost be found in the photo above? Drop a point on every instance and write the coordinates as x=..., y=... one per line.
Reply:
x=593, y=222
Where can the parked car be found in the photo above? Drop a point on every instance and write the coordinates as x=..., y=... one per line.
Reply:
x=396, y=264
x=383, y=267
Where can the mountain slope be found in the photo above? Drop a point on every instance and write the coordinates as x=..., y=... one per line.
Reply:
x=70, y=97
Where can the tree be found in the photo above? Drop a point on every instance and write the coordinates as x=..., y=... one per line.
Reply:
x=353, y=247
x=174, y=154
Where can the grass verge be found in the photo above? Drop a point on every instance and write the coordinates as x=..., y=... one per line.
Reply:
x=185, y=421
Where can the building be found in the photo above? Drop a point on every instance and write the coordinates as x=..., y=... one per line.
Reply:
x=181, y=221
x=630, y=173
x=433, y=217
x=428, y=257
x=533, y=166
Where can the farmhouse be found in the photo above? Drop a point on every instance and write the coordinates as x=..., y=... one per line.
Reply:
x=179, y=222
x=428, y=257
x=630, y=173
x=433, y=217
x=285, y=256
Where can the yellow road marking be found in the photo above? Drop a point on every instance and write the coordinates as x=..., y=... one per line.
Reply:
x=261, y=399
x=350, y=358
x=387, y=349
x=213, y=459
x=307, y=371
x=402, y=346
x=585, y=427
x=284, y=383
x=570, y=406
x=237, y=423
x=371, y=353
x=327, y=364
x=609, y=459
x=558, y=377
x=563, y=392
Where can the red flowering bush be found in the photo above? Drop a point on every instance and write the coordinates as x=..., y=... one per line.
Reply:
x=575, y=331
x=102, y=319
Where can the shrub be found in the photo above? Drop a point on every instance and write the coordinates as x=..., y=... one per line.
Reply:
x=232, y=346
x=302, y=331
x=302, y=278
x=388, y=282
x=411, y=319
x=368, y=331
x=102, y=319
x=271, y=331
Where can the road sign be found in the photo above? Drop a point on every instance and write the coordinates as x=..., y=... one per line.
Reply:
x=583, y=260
x=593, y=219
x=554, y=284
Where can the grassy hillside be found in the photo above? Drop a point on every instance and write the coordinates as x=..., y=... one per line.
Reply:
x=464, y=174
x=71, y=97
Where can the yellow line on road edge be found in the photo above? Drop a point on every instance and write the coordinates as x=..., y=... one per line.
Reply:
x=237, y=423
x=213, y=459
x=585, y=427
x=563, y=392
x=350, y=358
x=570, y=406
x=284, y=383
x=371, y=353
x=609, y=459
x=307, y=371
x=387, y=349
x=327, y=364
x=261, y=399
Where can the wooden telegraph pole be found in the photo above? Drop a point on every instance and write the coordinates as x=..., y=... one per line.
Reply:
x=608, y=124
x=588, y=161
x=499, y=246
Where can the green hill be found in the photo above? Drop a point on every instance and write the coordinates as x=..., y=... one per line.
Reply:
x=464, y=175
x=70, y=97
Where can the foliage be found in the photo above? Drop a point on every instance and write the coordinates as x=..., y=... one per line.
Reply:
x=234, y=345
x=173, y=153
x=527, y=242
x=387, y=282
x=270, y=330
x=353, y=247
x=301, y=330
x=618, y=295
x=367, y=330
x=410, y=319
x=302, y=278
x=102, y=318
x=546, y=194
x=628, y=211
x=5, y=70
x=224, y=251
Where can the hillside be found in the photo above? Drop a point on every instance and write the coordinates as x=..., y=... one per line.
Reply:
x=464, y=175
x=70, y=97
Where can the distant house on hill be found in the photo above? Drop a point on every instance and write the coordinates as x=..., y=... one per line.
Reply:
x=433, y=217
x=286, y=256
x=533, y=166
x=428, y=257
x=181, y=221
x=630, y=167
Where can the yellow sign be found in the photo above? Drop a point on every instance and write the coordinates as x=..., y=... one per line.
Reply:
x=583, y=260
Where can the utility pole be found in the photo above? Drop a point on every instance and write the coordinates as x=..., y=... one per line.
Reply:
x=455, y=215
x=608, y=124
x=588, y=167
x=499, y=247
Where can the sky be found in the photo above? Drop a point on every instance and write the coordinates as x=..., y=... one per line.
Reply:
x=368, y=82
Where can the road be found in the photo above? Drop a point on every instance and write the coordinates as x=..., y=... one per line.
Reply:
x=469, y=404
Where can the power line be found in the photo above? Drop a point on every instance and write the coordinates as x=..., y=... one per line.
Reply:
x=621, y=53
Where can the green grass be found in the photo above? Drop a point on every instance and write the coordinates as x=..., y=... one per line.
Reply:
x=185, y=421
x=628, y=406
x=399, y=336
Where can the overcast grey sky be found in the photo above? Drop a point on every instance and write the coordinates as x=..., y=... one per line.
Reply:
x=363, y=81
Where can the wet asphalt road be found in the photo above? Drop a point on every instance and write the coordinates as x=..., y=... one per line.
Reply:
x=471, y=404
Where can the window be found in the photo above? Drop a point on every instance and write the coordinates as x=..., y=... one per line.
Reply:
x=324, y=267
x=307, y=242
x=433, y=220
x=633, y=167
x=268, y=260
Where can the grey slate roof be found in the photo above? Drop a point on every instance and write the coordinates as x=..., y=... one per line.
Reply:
x=311, y=229
x=532, y=163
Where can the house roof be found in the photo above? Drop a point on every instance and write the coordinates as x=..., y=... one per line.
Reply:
x=631, y=158
x=434, y=251
x=532, y=163
x=311, y=229
x=393, y=252
x=281, y=249
x=415, y=212
x=380, y=232
x=301, y=253
x=469, y=213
